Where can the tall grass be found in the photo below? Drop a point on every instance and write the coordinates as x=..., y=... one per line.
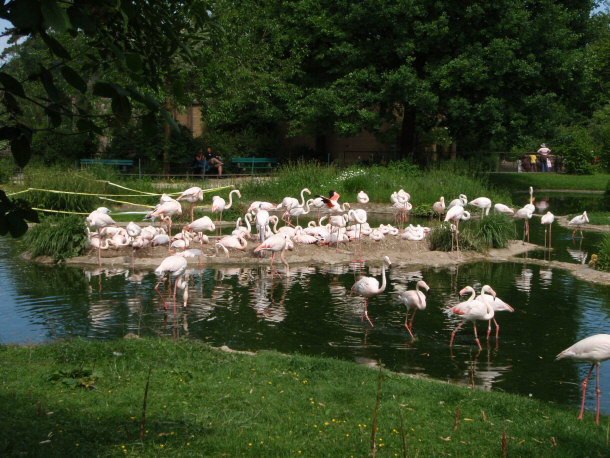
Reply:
x=59, y=238
x=379, y=182
x=521, y=181
x=493, y=231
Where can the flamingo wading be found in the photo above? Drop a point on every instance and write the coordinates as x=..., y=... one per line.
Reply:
x=414, y=300
x=368, y=287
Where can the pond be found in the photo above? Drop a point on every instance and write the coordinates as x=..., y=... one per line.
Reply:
x=311, y=312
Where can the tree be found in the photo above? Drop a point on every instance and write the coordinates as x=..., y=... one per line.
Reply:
x=129, y=60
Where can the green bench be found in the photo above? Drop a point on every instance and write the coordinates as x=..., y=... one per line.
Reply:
x=255, y=163
x=123, y=164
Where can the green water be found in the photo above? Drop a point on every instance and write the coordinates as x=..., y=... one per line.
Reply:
x=311, y=311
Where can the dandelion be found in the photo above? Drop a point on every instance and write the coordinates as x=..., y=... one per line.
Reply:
x=132, y=418
x=249, y=444
x=161, y=445
x=188, y=444
x=76, y=445
x=347, y=435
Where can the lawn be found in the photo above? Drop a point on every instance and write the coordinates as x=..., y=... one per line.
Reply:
x=76, y=398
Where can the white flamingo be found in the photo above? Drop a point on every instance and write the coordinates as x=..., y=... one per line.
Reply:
x=484, y=203
x=505, y=209
x=276, y=243
x=525, y=214
x=98, y=219
x=362, y=198
x=595, y=350
x=439, y=207
x=579, y=221
x=172, y=265
x=191, y=195
x=531, y=205
x=462, y=200
x=498, y=305
x=368, y=287
x=414, y=300
x=231, y=241
x=548, y=218
x=219, y=205
x=474, y=310
x=199, y=226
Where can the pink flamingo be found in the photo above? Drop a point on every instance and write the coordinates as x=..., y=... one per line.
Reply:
x=231, y=241
x=172, y=265
x=219, y=205
x=439, y=207
x=279, y=242
x=414, y=300
x=594, y=349
x=199, y=226
x=498, y=305
x=362, y=198
x=525, y=214
x=369, y=287
x=166, y=209
x=98, y=219
x=192, y=195
x=455, y=214
x=484, y=203
x=473, y=310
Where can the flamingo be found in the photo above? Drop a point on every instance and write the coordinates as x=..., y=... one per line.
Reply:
x=98, y=219
x=340, y=222
x=595, y=350
x=501, y=208
x=414, y=299
x=547, y=218
x=299, y=211
x=262, y=222
x=219, y=205
x=455, y=214
x=166, y=210
x=531, y=205
x=199, y=226
x=473, y=310
x=578, y=221
x=358, y=216
x=172, y=265
x=462, y=200
x=525, y=213
x=192, y=195
x=290, y=202
x=231, y=241
x=261, y=204
x=277, y=242
x=362, y=198
x=498, y=305
x=484, y=203
x=369, y=287
x=439, y=207
x=243, y=230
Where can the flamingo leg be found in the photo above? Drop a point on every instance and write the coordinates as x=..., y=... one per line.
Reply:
x=157, y=290
x=273, y=271
x=408, y=325
x=584, y=389
x=453, y=333
x=545, y=238
x=550, y=232
x=597, y=393
x=412, y=317
x=175, y=287
x=192, y=211
x=476, y=337
x=497, y=328
x=366, y=313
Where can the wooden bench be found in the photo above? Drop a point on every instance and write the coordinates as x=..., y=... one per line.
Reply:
x=255, y=163
x=123, y=164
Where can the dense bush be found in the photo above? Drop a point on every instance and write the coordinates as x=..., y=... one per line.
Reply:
x=53, y=148
x=59, y=238
x=575, y=146
x=493, y=231
x=603, y=254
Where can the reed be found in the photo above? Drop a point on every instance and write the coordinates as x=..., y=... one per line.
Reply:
x=603, y=254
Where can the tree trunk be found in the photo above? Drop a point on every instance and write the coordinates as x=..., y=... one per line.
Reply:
x=167, y=133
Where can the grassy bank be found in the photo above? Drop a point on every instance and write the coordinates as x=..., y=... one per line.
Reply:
x=522, y=181
x=86, y=398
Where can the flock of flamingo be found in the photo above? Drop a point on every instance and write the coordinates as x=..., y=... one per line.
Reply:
x=344, y=225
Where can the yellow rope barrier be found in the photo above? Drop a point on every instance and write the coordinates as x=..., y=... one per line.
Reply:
x=124, y=202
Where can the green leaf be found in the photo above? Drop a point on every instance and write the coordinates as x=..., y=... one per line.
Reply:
x=149, y=125
x=55, y=17
x=4, y=224
x=103, y=89
x=81, y=20
x=47, y=81
x=11, y=84
x=133, y=61
x=55, y=46
x=178, y=89
x=74, y=79
x=121, y=107
x=11, y=104
x=25, y=14
x=16, y=225
x=9, y=132
x=170, y=120
x=52, y=112
x=20, y=147
x=86, y=125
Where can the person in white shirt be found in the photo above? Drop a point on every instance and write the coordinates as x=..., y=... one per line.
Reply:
x=544, y=152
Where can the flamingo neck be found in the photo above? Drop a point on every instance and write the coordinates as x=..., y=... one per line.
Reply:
x=383, y=279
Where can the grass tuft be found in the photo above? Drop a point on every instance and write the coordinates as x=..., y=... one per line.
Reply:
x=58, y=237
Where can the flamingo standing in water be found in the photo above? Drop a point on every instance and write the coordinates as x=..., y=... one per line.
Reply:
x=414, y=300
x=172, y=265
x=439, y=207
x=498, y=305
x=277, y=242
x=595, y=350
x=578, y=221
x=473, y=310
x=192, y=195
x=219, y=205
x=531, y=205
x=548, y=218
x=369, y=287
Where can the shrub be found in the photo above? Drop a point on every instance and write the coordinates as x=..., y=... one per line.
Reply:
x=53, y=148
x=576, y=148
x=495, y=230
x=603, y=254
x=57, y=237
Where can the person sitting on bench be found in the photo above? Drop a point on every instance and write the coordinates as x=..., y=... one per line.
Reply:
x=213, y=160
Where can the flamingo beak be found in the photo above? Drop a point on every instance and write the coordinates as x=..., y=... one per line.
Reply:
x=463, y=291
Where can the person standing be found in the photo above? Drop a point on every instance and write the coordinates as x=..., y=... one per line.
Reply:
x=544, y=152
